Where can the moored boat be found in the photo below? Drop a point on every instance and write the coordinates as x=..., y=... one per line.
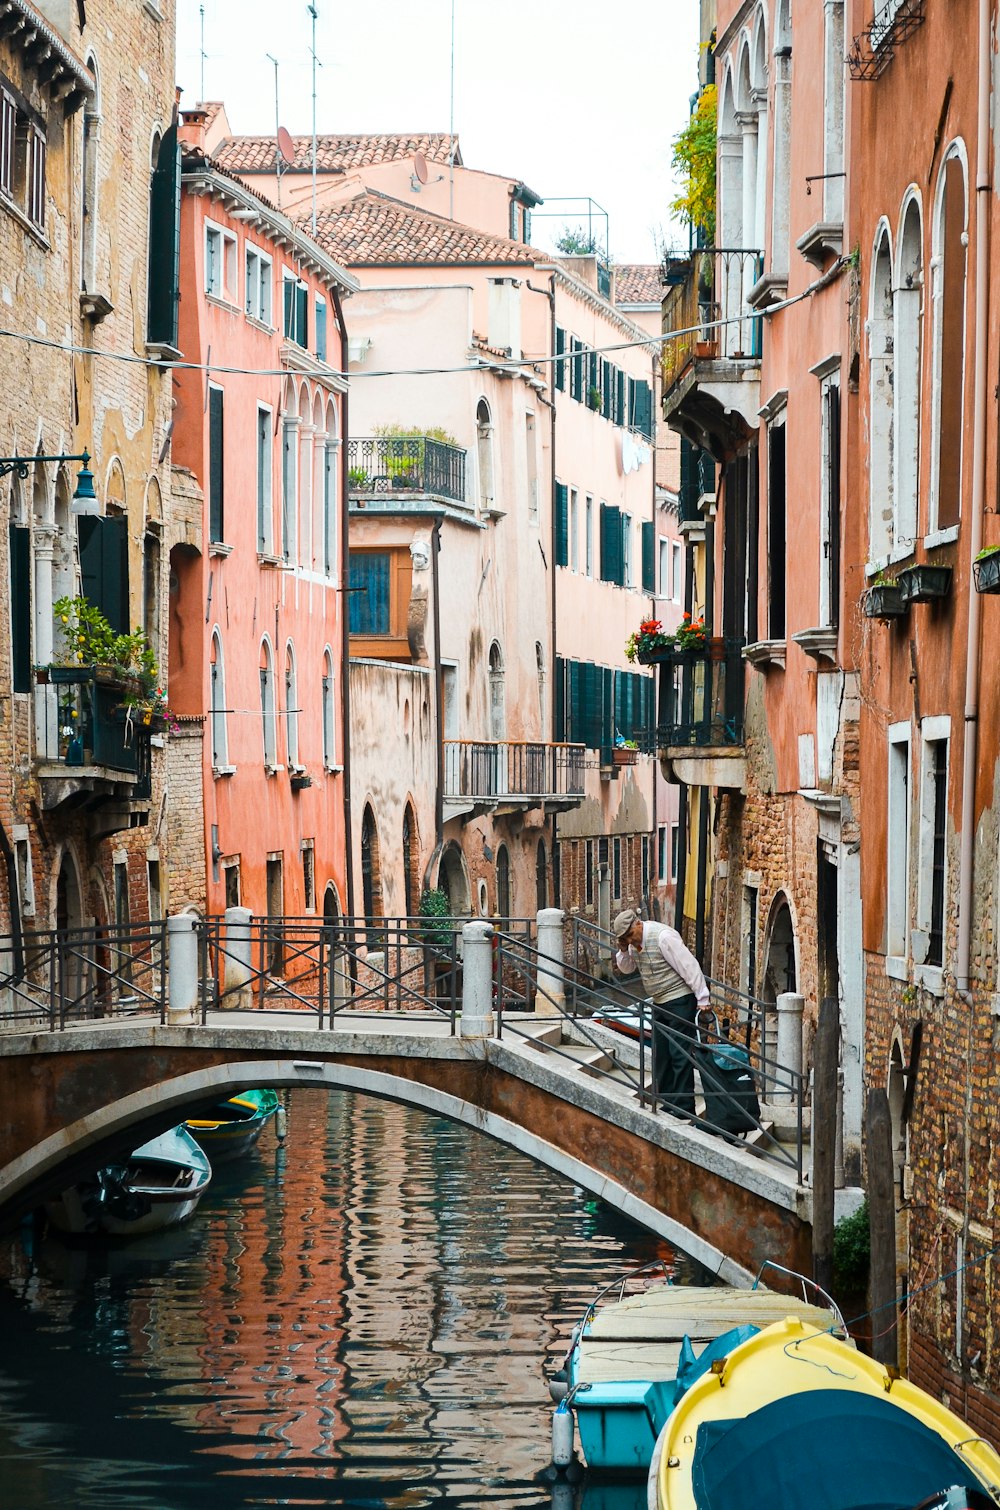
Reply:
x=233, y=1126
x=796, y=1417
x=158, y=1185
x=633, y=1355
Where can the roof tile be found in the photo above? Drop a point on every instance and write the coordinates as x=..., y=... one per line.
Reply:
x=372, y=229
x=639, y=283
x=335, y=154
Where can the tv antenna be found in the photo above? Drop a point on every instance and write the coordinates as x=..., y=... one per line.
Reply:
x=451, y=124
x=201, y=97
x=315, y=64
x=278, y=128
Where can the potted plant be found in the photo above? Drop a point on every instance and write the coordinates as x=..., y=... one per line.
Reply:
x=883, y=599
x=649, y=643
x=595, y=399
x=358, y=480
x=924, y=583
x=625, y=752
x=692, y=634
x=986, y=569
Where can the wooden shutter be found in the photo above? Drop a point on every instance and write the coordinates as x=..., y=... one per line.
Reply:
x=321, y=329
x=612, y=564
x=560, y=365
x=606, y=390
x=164, y=261
x=302, y=315
x=559, y=700
x=20, y=606
x=216, y=520
x=288, y=290
x=562, y=524
x=104, y=566
x=607, y=733
x=648, y=557
x=620, y=416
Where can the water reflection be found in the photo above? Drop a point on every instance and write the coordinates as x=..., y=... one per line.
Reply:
x=358, y=1317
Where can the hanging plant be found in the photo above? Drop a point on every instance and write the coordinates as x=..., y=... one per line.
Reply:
x=694, y=160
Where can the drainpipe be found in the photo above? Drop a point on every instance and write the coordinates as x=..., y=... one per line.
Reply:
x=438, y=687
x=970, y=748
x=345, y=633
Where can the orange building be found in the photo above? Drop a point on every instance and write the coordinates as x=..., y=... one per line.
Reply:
x=256, y=625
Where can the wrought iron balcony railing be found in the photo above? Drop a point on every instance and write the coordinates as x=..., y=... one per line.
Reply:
x=702, y=695
x=402, y=464
x=710, y=286
x=486, y=769
x=83, y=721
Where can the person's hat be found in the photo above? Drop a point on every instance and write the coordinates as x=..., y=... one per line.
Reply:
x=623, y=922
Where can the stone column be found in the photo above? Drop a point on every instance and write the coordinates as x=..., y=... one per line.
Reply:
x=551, y=960
x=182, y=971
x=788, y=1053
x=477, y=980
x=238, y=960
x=46, y=699
x=604, y=907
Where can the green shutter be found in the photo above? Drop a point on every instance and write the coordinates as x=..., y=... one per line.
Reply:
x=321, y=329
x=288, y=289
x=607, y=394
x=559, y=700
x=576, y=369
x=216, y=517
x=104, y=566
x=302, y=315
x=648, y=557
x=562, y=524
x=620, y=418
x=164, y=259
x=20, y=606
x=607, y=677
x=612, y=564
x=574, y=703
x=560, y=366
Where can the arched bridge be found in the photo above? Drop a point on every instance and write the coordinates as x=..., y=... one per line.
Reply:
x=75, y=1091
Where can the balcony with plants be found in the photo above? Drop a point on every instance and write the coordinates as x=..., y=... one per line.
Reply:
x=397, y=468
x=700, y=715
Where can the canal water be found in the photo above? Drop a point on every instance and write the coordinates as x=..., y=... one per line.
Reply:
x=358, y=1317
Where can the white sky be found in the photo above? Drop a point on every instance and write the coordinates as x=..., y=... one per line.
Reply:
x=574, y=97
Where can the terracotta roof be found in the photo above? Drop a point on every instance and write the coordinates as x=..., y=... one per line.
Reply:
x=211, y=109
x=373, y=230
x=639, y=283
x=335, y=154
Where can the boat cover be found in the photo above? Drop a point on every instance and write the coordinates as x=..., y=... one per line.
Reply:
x=876, y=1457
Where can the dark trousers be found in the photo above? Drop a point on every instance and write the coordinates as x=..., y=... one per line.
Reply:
x=674, y=1038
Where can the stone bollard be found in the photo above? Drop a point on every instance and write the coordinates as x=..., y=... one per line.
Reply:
x=549, y=997
x=477, y=980
x=788, y=1051
x=182, y=970
x=237, y=968
x=604, y=909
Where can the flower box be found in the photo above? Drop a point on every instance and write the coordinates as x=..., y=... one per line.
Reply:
x=654, y=657
x=623, y=755
x=883, y=601
x=987, y=572
x=924, y=584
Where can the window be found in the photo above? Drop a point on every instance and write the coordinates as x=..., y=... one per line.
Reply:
x=664, y=565
x=588, y=861
x=574, y=530
x=8, y=131
x=661, y=853
x=220, y=263
x=329, y=728
x=626, y=576
x=218, y=710
x=675, y=847
x=932, y=877
x=22, y=864
x=291, y=708
x=369, y=592
x=410, y=862
x=259, y=274
x=88, y=180
x=562, y=524
x=484, y=454
x=498, y=707
x=319, y=315
x=531, y=454
x=612, y=565
x=289, y=486
x=296, y=309
x=881, y=389
x=329, y=507
x=616, y=870
x=151, y=585
x=645, y=863
x=216, y=514
x=371, y=880
x=28, y=185
x=897, y=904
x=231, y=883
x=559, y=365
x=154, y=887
x=907, y=354
x=309, y=875
x=748, y=951
x=678, y=573
x=122, y=909
x=275, y=888
x=265, y=507
x=834, y=75
x=948, y=297
x=576, y=368
x=588, y=533
x=776, y=528
x=829, y=524
x=648, y=559
x=541, y=876
x=267, y=707
x=163, y=283
x=503, y=883
x=20, y=606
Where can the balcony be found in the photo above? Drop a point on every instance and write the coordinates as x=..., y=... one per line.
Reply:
x=91, y=756
x=506, y=775
x=711, y=370
x=405, y=467
x=700, y=725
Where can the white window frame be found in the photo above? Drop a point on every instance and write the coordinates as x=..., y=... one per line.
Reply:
x=826, y=544
x=328, y=705
x=265, y=480
x=675, y=843
x=627, y=550
x=935, y=534
x=308, y=847
x=933, y=731
x=574, y=530
x=898, y=849
x=292, y=708
x=663, y=578
x=259, y=270
x=589, y=537
x=218, y=723
x=677, y=582
x=221, y=277
x=268, y=711
x=21, y=837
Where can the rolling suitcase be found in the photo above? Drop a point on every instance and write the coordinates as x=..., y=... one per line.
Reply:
x=732, y=1106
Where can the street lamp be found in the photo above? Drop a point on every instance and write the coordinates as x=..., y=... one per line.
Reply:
x=84, y=497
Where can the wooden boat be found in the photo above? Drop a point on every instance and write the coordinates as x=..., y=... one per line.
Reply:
x=233, y=1126
x=633, y=1355
x=795, y=1417
x=157, y=1186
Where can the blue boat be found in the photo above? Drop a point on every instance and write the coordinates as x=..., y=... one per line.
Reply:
x=633, y=1355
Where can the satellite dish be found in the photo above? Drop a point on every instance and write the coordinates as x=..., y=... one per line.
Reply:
x=286, y=147
x=420, y=167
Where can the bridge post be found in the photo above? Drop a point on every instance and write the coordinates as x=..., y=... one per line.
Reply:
x=604, y=909
x=551, y=959
x=477, y=980
x=788, y=1052
x=182, y=970
x=237, y=970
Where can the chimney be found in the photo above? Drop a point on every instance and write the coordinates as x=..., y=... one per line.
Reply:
x=504, y=328
x=192, y=128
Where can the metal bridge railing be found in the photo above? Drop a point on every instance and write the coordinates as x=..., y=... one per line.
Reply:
x=76, y=975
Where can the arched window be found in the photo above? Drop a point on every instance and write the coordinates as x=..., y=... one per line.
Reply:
x=410, y=861
x=498, y=713
x=906, y=375
x=503, y=883
x=541, y=876
x=540, y=674
x=782, y=138
x=163, y=291
x=948, y=295
x=327, y=493
x=289, y=474
x=880, y=364
x=217, y=705
x=371, y=883
x=88, y=182
x=329, y=730
x=291, y=707
x=267, y=705
x=484, y=454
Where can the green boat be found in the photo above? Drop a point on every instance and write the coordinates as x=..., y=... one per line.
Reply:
x=232, y=1127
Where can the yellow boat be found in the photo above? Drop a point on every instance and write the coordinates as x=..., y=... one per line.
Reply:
x=796, y=1419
